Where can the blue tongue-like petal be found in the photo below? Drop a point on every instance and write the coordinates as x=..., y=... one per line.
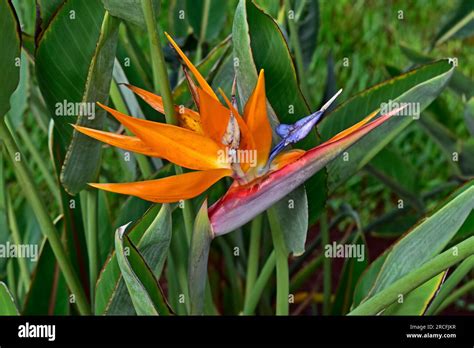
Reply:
x=293, y=133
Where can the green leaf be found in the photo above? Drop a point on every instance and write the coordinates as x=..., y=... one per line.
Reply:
x=128, y=10
x=198, y=258
x=19, y=98
x=418, y=87
x=451, y=145
x=416, y=301
x=152, y=235
x=46, y=11
x=10, y=42
x=143, y=287
x=460, y=83
x=71, y=36
x=215, y=17
x=398, y=174
x=178, y=23
x=424, y=241
x=469, y=116
x=308, y=27
x=259, y=44
x=292, y=213
x=351, y=273
x=82, y=161
x=4, y=229
x=48, y=293
x=7, y=302
x=459, y=26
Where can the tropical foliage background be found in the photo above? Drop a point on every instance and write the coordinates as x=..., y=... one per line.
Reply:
x=404, y=194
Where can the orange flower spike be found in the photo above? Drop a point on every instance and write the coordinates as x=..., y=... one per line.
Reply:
x=124, y=142
x=178, y=145
x=187, y=118
x=255, y=116
x=354, y=127
x=202, y=82
x=169, y=189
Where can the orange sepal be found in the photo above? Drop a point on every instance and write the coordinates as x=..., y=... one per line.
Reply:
x=353, y=128
x=214, y=116
x=255, y=116
x=170, y=189
x=178, y=145
x=125, y=142
x=187, y=118
x=286, y=158
x=201, y=80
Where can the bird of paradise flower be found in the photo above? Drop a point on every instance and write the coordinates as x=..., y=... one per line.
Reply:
x=202, y=137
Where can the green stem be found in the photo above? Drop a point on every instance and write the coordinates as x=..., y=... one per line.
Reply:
x=161, y=81
x=254, y=253
x=202, y=34
x=300, y=278
x=39, y=160
x=450, y=284
x=92, y=237
x=282, y=272
x=415, y=278
x=466, y=288
x=160, y=74
x=295, y=43
x=251, y=301
x=326, y=266
x=46, y=225
x=16, y=238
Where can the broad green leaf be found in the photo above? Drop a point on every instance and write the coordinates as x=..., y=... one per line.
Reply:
x=143, y=287
x=48, y=293
x=105, y=238
x=399, y=175
x=416, y=301
x=459, y=26
x=198, y=259
x=10, y=54
x=215, y=17
x=151, y=234
x=19, y=98
x=469, y=116
x=259, y=44
x=269, y=6
x=292, y=213
x=71, y=36
x=425, y=240
x=7, y=302
x=4, y=230
x=128, y=10
x=351, y=273
x=459, y=153
x=26, y=12
x=178, y=23
x=82, y=162
x=418, y=87
x=307, y=18
x=460, y=83
x=46, y=10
